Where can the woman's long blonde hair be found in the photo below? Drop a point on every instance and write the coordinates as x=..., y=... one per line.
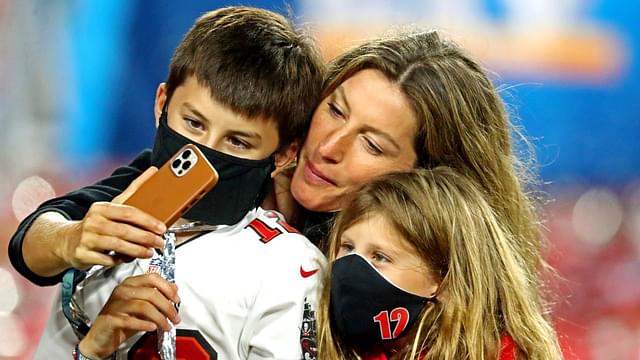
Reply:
x=462, y=123
x=484, y=292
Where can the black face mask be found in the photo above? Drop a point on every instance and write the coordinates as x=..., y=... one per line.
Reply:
x=242, y=185
x=366, y=309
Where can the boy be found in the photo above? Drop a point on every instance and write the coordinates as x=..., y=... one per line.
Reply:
x=242, y=86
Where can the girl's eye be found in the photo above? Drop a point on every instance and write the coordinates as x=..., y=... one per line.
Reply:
x=335, y=111
x=346, y=248
x=380, y=257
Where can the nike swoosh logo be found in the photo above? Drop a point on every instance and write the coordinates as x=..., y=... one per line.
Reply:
x=306, y=274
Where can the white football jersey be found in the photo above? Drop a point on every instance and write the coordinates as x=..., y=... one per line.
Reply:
x=248, y=291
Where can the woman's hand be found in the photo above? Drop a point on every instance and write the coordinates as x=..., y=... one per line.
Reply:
x=112, y=226
x=140, y=303
x=281, y=198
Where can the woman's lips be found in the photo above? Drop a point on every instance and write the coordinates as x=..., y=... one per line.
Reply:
x=314, y=176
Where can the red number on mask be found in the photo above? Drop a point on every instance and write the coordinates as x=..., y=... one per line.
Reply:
x=399, y=315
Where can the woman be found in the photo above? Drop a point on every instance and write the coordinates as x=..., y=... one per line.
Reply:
x=413, y=100
x=423, y=270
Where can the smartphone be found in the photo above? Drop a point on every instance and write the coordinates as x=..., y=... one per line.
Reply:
x=176, y=187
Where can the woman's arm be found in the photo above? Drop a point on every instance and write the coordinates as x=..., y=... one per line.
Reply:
x=51, y=239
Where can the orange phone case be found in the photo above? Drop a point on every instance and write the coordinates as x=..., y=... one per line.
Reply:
x=177, y=185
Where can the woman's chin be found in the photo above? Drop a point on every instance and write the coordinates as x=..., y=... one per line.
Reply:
x=304, y=197
x=311, y=199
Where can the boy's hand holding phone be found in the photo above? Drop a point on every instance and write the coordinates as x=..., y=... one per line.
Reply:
x=113, y=226
x=131, y=224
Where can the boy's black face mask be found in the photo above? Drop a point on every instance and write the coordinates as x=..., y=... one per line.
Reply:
x=242, y=185
x=367, y=310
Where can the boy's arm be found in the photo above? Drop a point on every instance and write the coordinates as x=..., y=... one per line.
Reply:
x=41, y=246
x=286, y=301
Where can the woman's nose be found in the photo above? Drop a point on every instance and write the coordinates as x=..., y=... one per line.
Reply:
x=334, y=146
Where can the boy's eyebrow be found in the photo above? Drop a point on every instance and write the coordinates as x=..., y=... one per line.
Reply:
x=196, y=112
x=248, y=134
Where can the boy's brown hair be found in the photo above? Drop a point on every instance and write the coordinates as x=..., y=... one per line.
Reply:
x=255, y=62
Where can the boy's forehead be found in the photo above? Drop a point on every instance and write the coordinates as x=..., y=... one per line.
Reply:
x=200, y=90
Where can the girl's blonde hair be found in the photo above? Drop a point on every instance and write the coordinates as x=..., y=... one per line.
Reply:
x=484, y=293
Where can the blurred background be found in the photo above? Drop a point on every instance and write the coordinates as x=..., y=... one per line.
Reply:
x=78, y=80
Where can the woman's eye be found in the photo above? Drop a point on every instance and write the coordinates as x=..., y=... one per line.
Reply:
x=335, y=111
x=372, y=147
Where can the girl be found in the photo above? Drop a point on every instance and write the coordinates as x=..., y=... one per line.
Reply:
x=423, y=270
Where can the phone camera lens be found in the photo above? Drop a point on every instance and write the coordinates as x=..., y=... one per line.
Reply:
x=186, y=165
x=176, y=163
x=186, y=154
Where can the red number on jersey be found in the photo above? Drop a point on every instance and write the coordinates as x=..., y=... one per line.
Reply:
x=268, y=233
x=190, y=345
x=263, y=230
x=280, y=220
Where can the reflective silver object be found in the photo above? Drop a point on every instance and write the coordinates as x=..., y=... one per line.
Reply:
x=191, y=227
x=167, y=339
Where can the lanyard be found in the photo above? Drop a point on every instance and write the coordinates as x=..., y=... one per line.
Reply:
x=78, y=320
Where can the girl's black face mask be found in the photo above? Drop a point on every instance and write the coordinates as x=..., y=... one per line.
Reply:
x=242, y=185
x=366, y=309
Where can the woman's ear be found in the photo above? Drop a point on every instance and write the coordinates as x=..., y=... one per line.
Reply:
x=161, y=98
x=285, y=158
